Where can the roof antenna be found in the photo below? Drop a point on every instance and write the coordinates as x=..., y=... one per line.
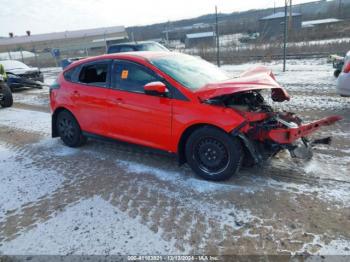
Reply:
x=274, y=7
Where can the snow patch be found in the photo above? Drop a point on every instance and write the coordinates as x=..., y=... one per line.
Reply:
x=21, y=183
x=198, y=185
x=335, y=247
x=56, y=147
x=91, y=227
x=26, y=120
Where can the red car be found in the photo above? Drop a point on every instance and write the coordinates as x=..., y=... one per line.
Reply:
x=179, y=104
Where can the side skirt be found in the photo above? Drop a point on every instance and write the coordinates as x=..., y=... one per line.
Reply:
x=135, y=146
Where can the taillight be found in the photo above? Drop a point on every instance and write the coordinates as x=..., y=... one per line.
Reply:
x=54, y=85
x=347, y=68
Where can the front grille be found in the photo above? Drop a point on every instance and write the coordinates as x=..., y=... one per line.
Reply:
x=30, y=75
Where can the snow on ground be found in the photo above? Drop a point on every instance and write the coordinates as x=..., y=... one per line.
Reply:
x=21, y=183
x=32, y=96
x=321, y=42
x=314, y=88
x=339, y=247
x=90, y=227
x=201, y=186
x=26, y=120
x=327, y=192
x=231, y=210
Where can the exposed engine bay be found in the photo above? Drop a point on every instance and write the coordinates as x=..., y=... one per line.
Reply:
x=250, y=101
x=268, y=131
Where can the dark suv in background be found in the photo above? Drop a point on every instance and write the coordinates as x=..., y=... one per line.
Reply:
x=133, y=46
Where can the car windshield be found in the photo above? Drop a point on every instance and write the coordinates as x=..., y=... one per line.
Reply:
x=13, y=64
x=152, y=47
x=190, y=71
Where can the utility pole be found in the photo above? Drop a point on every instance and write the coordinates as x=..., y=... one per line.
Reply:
x=285, y=35
x=290, y=15
x=167, y=32
x=217, y=37
x=339, y=9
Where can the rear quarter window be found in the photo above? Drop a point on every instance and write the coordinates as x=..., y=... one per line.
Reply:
x=95, y=74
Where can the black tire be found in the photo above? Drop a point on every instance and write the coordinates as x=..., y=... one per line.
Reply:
x=213, y=154
x=7, y=99
x=69, y=130
x=337, y=73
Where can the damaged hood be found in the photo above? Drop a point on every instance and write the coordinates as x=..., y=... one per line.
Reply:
x=255, y=79
x=23, y=71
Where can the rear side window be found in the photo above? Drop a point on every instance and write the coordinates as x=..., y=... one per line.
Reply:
x=94, y=74
x=132, y=77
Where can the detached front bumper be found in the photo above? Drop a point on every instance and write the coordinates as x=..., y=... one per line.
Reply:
x=265, y=141
x=289, y=135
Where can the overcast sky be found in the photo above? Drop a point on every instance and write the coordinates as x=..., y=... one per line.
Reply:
x=43, y=16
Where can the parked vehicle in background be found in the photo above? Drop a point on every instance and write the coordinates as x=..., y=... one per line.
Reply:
x=180, y=104
x=133, y=46
x=21, y=75
x=343, y=82
x=6, y=99
x=338, y=63
x=67, y=61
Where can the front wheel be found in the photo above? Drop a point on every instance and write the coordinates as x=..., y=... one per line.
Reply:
x=69, y=130
x=6, y=99
x=213, y=154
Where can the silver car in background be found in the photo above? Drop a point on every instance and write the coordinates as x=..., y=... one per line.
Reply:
x=343, y=84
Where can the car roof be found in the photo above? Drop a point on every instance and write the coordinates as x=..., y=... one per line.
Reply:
x=141, y=55
x=10, y=64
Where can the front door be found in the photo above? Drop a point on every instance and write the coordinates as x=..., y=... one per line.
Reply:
x=137, y=117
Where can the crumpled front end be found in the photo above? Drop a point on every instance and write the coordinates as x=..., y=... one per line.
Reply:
x=266, y=130
x=274, y=131
x=26, y=78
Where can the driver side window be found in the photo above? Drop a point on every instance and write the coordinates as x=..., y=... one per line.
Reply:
x=132, y=77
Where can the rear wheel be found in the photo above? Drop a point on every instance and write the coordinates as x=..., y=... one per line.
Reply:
x=69, y=130
x=213, y=154
x=6, y=99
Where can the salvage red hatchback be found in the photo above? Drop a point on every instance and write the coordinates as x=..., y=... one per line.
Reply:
x=180, y=104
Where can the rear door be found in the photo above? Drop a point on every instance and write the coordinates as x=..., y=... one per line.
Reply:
x=137, y=117
x=89, y=95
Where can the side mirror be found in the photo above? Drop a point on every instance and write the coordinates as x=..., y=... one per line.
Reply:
x=155, y=89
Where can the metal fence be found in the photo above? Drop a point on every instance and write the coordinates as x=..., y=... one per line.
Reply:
x=236, y=48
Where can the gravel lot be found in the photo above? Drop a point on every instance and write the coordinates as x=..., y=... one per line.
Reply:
x=113, y=198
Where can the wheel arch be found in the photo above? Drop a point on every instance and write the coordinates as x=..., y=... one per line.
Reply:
x=58, y=110
x=185, y=135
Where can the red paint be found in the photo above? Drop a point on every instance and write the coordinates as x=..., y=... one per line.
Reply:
x=255, y=79
x=159, y=121
x=347, y=68
x=288, y=136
